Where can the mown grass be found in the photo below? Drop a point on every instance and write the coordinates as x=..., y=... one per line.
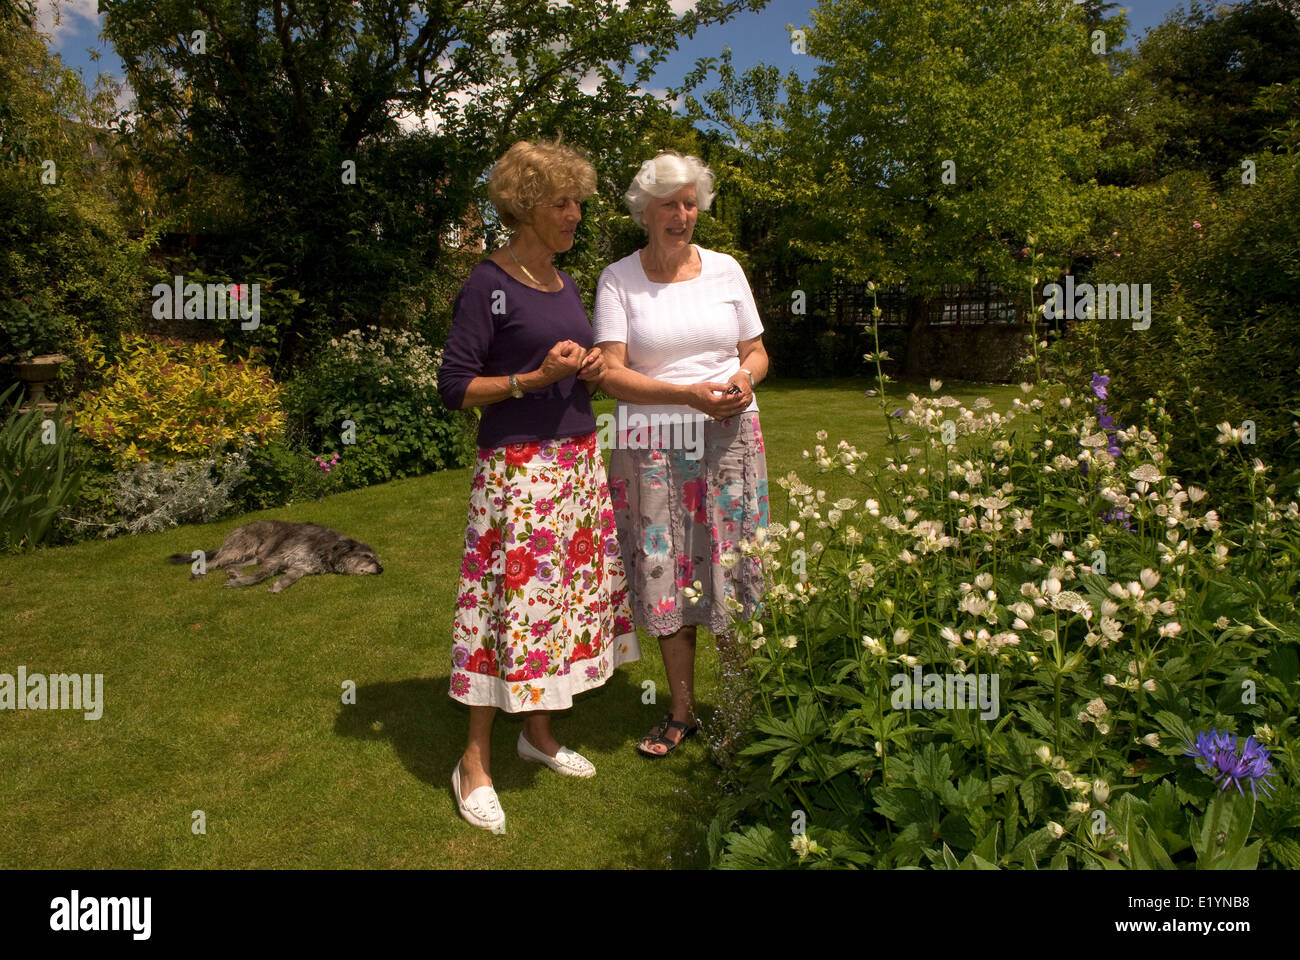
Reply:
x=229, y=701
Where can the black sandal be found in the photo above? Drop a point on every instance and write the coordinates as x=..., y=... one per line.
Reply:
x=657, y=736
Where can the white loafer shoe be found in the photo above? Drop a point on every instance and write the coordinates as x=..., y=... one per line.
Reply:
x=481, y=807
x=565, y=761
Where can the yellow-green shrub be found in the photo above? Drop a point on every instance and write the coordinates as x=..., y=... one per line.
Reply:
x=169, y=401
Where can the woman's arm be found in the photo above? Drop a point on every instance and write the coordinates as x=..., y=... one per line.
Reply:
x=623, y=383
x=753, y=357
x=563, y=360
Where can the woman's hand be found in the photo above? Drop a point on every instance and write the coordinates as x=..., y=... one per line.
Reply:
x=713, y=399
x=593, y=366
x=562, y=360
x=745, y=391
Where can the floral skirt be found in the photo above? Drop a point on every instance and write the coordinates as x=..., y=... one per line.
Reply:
x=542, y=611
x=682, y=520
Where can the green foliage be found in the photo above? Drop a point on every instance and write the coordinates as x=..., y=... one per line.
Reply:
x=385, y=384
x=168, y=401
x=1112, y=642
x=63, y=243
x=30, y=327
x=246, y=139
x=1190, y=95
x=1221, y=349
x=853, y=161
x=36, y=478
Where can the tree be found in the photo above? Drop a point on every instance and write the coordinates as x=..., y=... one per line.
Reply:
x=934, y=139
x=1190, y=95
x=259, y=109
x=65, y=254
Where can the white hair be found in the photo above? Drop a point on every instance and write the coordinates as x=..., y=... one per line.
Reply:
x=665, y=175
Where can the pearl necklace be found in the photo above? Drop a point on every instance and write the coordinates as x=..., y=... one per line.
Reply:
x=528, y=274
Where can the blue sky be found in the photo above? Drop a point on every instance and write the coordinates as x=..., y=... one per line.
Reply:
x=753, y=37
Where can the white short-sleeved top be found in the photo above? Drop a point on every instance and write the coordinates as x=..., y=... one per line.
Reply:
x=683, y=332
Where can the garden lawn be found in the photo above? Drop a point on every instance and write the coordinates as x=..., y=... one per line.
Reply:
x=229, y=701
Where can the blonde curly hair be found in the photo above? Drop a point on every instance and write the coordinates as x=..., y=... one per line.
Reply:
x=529, y=174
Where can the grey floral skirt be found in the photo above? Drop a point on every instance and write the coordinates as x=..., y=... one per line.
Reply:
x=682, y=515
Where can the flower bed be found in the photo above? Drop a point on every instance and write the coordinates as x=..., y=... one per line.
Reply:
x=1000, y=646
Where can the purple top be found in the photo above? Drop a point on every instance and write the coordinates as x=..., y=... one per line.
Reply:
x=501, y=326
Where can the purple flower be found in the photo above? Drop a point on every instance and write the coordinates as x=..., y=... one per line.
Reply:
x=1216, y=754
x=1099, y=384
x=459, y=655
x=1117, y=515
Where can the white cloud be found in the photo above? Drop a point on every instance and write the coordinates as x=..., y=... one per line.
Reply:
x=58, y=18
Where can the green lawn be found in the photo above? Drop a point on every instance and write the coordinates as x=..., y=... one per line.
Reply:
x=228, y=701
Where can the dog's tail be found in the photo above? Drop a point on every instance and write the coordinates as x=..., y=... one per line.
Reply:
x=186, y=558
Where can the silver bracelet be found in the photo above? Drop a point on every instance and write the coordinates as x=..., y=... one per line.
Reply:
x=750, y=375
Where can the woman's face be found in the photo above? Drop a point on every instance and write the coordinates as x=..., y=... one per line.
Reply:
x=554, y=222
x=670, y=220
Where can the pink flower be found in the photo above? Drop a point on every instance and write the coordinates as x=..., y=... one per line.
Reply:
x=459, y=684
x=537, y=663
x=1196, y=224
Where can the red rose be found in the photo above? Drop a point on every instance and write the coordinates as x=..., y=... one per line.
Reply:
x=520, y=567
x=482, y=661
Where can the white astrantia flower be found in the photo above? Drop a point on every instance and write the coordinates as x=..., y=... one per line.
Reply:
x=1151, y=740
x=1043, y=752
x=1149, y=578
x=1079, y=806
x=901, y=636
x=1055, y=830
x=1146, y=473
x=874, y=646
x=790, y=641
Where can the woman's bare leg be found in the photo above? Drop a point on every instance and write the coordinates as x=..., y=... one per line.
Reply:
x=678, y=651
x=476, y=761
x=537, y=731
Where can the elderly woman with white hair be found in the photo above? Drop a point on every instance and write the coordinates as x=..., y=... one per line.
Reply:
x=683, y=348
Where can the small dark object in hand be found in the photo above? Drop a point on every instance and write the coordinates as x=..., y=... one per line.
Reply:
x=733, y=389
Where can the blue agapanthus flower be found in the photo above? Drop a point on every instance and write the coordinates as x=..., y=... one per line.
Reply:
x=1216, y=754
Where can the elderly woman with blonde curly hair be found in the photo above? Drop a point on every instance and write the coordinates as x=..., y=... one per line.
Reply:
x=541, y=611
x=683, y=344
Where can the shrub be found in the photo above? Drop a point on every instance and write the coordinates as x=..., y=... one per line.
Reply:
x=1224, y=266
x=153, y=496
x=169, y=401
x=1051, y=552
x=385, y=384
x=36, y=478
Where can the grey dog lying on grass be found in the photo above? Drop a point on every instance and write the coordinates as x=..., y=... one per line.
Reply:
x=294, y=549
